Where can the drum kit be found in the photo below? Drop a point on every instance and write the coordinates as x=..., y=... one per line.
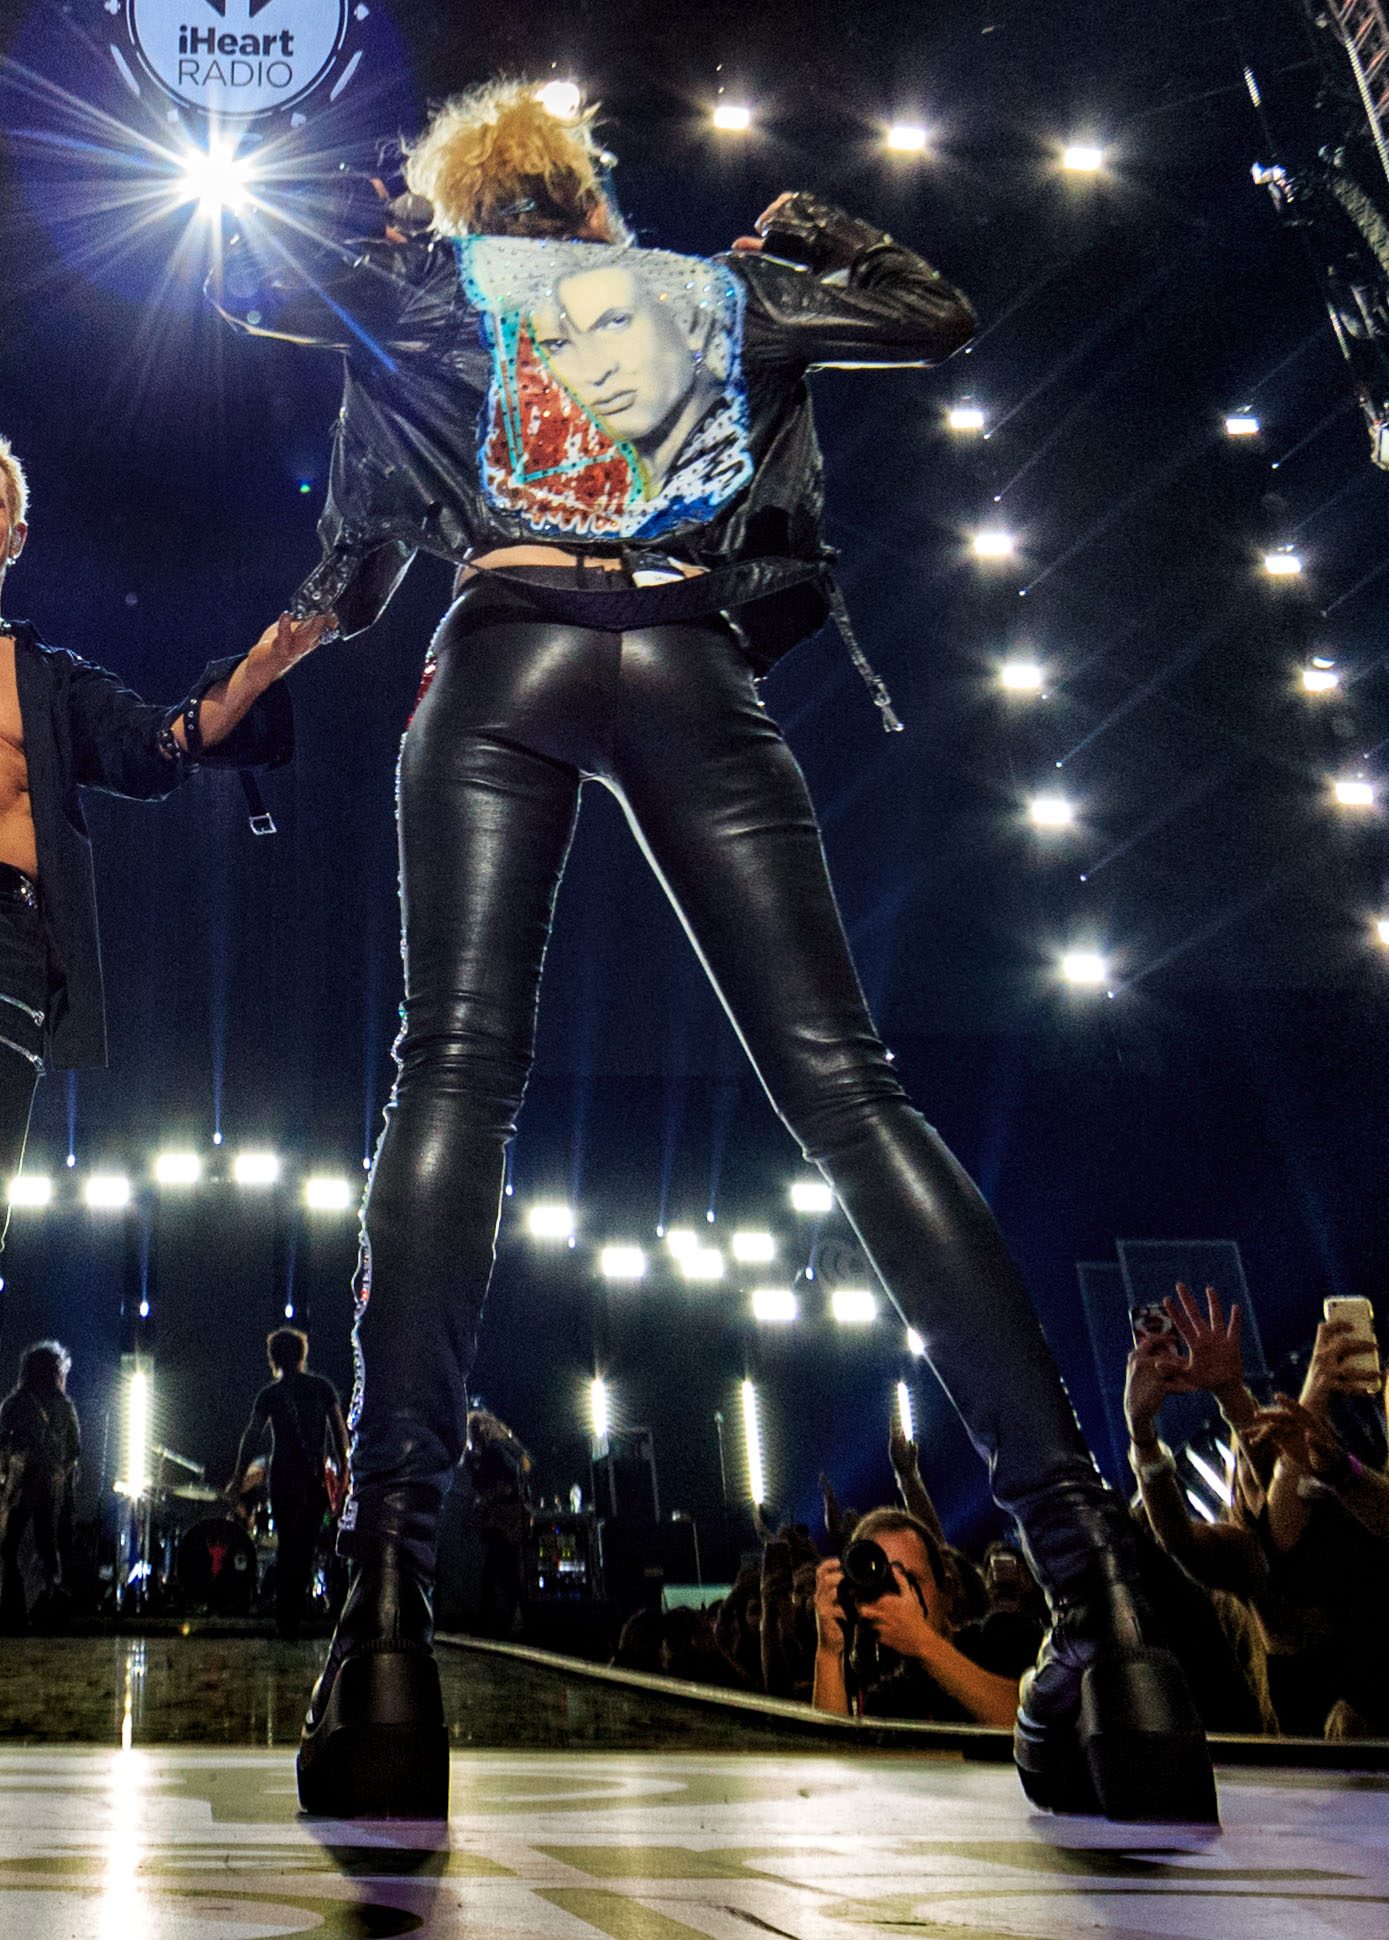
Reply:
x=184, y=1549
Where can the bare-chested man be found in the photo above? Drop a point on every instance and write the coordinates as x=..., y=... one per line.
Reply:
x=66, y=724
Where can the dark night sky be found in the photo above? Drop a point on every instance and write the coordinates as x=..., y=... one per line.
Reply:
x=1232, y=1086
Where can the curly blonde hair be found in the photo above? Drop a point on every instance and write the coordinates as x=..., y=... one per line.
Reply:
x=495, y=161
x=13, y=483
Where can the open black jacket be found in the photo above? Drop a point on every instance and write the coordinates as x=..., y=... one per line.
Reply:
x=83, y=729
x=405, y=471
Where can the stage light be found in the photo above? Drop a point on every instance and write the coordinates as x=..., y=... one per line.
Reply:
x=1211, y=1476
x=599, y=1408
x=681, y=1240
x=1201, y=1506
x=562, y=99
x=1241, y=424
x=1051, y=812
x=1020, y=677
x=752, y=1443
x=137, y=1433
x=703, y=1263
x=1085, y=967
x=107, y=1190
x=965, y=417
x=550, y=1222
x=1320, y=680
x=854, y=1306
x=1351, y=793
x=216, y=177
x=1283, y=564
x=811, y=1196
x=178, y=1168
x=30, y=1189
x=732, y=118
x=256, y=1168
x=753, y=1249
x=904, y=1411
x=774, y=1306
x=992, y=543
x=1082, y=158
x=622, y=1263
x=905, y=138
x=916, y=1346
x=327, y=1194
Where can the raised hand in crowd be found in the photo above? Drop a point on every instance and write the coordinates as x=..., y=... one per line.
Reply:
x=1337, y=1367
x=1317, y=1463
x=1213, y=1363
x=906, y=1466
x=839, y=1523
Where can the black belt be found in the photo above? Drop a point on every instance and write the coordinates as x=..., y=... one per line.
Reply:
x=16, y=887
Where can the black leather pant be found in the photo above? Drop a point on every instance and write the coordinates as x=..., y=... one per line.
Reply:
x=520, y=712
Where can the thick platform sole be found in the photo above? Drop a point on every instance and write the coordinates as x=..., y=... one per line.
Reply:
x=1135, y=1753
x=381, y=1749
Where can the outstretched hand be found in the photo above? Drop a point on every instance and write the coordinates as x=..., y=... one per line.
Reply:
x=1213, y=1359
x=1155, y=1370
x=750, y=245
x=901, y=1452
x=286, y=641
x=1299, y=1437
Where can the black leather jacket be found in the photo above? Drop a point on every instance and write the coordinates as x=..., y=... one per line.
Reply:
x=405, y=469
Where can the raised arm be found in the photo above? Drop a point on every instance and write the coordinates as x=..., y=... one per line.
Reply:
x=860, y=297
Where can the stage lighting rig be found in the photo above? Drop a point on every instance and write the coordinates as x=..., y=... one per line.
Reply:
x=1283, y=563
x=1320, y=678
x=1051, y=812
x=906, y=138
x=811, y=1196
x=732, y=118
x=1082, y=158
x=774, y=1306
x=1087, y=969
x=854, y=1306
x=905, y=1419
x=964, y=416
x=31, y=1189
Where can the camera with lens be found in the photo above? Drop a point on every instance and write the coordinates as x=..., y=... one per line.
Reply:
x=867, y=1575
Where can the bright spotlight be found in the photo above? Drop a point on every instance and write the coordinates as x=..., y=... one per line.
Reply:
x=993, y=543
x=550, y=1222
x=1381, y=931
x=1283, y=564
x=562, y=99
x=703, y=1263
x=178, y=1168
x=137, y=1433
x=811, y=1196
x=916, y=1346
x=30, y=1189
x=681, y=1240
x=1355, y=794
x=327, y=1194
x=1051, y=812
x=1320, y=680
x=215, y=178
x=1241, y=424
x=599, y=1409
x=904, y=1411
x=854, y=1306
x=905, y=138
x=1082, y=158
x=1020, y=676
x=622, y=1263
x=1084, y=967
x=107, y=1190
x=1211, y=1476
x=256, y=1168
x=752, y=1442
x=774, y=1305
x=753, y=1249
x=733, y=118
x=965, y=417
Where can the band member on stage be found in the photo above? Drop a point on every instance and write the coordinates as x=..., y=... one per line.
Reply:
x=302, y=1416
x=39, y=1445
x=616, y=446
x=66, y=724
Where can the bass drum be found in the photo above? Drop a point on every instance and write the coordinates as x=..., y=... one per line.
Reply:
x=217, y=1567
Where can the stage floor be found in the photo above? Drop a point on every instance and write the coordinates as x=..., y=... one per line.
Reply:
x=200, y=1845
x=147, y=1793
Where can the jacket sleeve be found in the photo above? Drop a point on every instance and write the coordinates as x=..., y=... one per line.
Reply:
x=857, y=298
x=374, y=296
x=124, y=745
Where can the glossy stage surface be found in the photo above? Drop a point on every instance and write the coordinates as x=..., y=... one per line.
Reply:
x=147, y=1791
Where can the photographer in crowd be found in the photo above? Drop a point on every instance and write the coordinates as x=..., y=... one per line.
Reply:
x=893, y=1583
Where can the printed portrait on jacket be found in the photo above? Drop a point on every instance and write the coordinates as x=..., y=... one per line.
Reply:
x=617, y=408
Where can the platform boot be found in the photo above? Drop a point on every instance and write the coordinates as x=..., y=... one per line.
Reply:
x=374, y=1743
x=1105, y=1721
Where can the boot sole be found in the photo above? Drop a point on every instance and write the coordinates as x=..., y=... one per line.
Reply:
x=381, y=1749
x=1143, y=1742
